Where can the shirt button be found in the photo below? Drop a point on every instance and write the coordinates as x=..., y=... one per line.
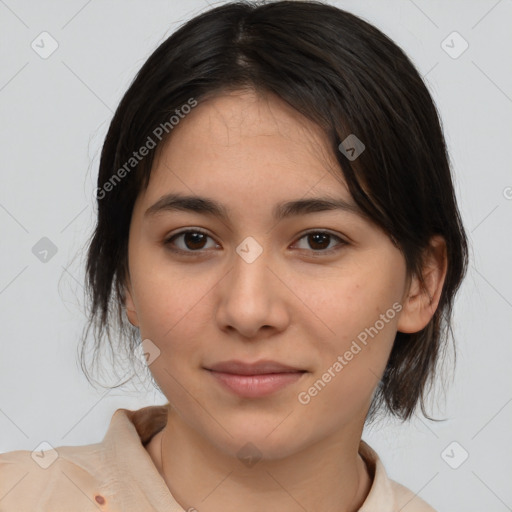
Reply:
x=100, y=499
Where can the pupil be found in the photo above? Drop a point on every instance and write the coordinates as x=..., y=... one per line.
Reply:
x=195, y=238
x=318, y=236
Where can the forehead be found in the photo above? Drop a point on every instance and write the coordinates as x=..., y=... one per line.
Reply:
x=246, y=146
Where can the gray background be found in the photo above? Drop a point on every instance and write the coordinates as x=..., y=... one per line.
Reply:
x=54, y=115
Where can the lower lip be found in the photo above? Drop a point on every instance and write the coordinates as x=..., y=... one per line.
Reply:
x=254, y=386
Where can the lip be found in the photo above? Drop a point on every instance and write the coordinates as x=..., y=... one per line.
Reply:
x=263, y=367
x=253, y=380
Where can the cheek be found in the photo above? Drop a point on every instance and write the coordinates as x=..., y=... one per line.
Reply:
x=172, y=306
x=351, y=365
x=172, y=313
x=360, y=311
x=351, y=300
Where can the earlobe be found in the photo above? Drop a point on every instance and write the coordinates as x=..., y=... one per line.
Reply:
x=129, y=305
x=419, y=305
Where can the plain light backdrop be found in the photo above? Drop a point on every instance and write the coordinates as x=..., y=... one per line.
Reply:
x=54, y=115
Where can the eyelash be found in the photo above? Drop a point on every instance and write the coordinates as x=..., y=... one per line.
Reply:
x=317, y=253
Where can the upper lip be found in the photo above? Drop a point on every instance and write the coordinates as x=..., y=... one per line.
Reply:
x=257, y=368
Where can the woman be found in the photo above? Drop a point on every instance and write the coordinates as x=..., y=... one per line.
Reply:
x=277, y=223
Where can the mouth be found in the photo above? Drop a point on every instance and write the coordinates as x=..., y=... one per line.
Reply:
x=253, y=380
x=236, y=367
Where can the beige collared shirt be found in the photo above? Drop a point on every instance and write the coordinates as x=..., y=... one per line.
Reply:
x=118, y=474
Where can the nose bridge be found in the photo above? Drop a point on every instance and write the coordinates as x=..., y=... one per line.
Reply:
x=250, y=273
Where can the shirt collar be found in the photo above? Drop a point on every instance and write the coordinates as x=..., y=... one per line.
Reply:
x=136, y=479
x=131, y=430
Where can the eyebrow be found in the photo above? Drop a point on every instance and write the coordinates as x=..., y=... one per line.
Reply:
x=211, y=207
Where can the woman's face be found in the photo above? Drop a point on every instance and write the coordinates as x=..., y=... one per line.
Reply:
x=257, y=286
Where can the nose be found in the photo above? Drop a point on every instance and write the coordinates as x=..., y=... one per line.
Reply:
x=252, y=300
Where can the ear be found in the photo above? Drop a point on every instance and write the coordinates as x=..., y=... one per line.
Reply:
x=420, y=305
x=131, y=313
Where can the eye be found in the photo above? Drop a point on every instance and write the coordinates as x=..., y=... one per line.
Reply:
x=319, y=241
x=192, y=240
x=195, y=240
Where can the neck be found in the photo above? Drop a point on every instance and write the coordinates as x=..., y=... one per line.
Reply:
x=329, y=476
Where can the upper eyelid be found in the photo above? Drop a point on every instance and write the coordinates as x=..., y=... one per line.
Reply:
x=187, y=230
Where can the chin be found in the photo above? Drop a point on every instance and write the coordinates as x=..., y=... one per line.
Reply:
x=256, y=442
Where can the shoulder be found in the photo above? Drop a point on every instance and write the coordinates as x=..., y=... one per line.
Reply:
x=408, y=501
x=53, y=479
x=116, y=473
